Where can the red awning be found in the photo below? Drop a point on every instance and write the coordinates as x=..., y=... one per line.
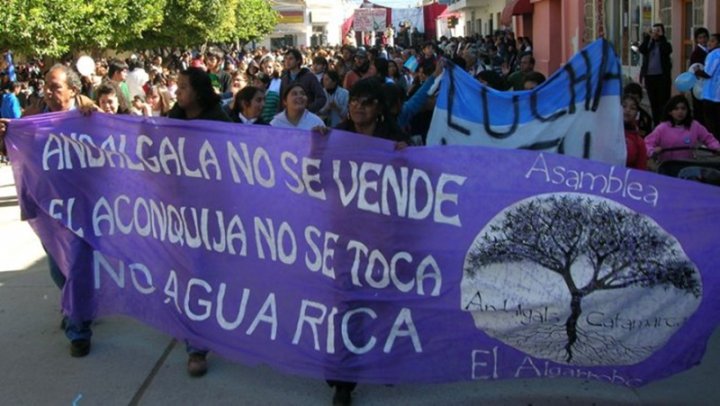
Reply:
x=448, y=14
x=515, y=8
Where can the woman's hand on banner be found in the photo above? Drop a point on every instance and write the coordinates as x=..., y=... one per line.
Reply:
x=321, y=129
x=87, y=109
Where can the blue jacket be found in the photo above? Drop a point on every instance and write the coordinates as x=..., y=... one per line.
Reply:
x=10, y=107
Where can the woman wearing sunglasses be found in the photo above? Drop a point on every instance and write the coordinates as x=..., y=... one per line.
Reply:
x=369, y=115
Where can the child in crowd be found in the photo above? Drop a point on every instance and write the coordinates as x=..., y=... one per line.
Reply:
x=532, y=80
x=636, y=153
x=139, y=107
x=678, y=129
x=107, y=99
x=158, y=100
x=644, y=120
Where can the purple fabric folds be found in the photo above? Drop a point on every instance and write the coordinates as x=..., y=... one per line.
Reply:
x=335, y=256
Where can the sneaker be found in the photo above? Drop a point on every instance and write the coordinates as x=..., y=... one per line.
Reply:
x=80, y=348
x=197, y=365
x=342, y=396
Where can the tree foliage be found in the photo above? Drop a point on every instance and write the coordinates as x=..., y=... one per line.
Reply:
x=196, y=22
x=255, y=19
x=38, y=26
x=56, y=27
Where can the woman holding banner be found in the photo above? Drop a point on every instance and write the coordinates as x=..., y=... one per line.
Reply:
x=248, y=106
x=368, y=115
x=197, y=100
x=296, y=114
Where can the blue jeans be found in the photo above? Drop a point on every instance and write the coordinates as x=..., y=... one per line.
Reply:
x=74, y=329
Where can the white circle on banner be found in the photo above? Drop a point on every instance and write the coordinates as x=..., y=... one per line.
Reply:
x=579, y=280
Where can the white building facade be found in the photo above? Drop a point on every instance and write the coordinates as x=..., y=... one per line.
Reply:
x=308, y=23
x=480, y=17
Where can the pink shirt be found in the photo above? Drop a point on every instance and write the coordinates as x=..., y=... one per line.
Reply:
x=666, y=135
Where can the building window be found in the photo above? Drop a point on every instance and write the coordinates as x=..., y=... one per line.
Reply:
x=666, y=16
x=699, y=13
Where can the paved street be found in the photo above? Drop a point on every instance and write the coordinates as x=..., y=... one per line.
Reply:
x=134, y=364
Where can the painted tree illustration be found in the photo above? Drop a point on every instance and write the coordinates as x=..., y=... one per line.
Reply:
x=622, y=248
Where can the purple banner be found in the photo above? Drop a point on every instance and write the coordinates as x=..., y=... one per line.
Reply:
x=337, y=257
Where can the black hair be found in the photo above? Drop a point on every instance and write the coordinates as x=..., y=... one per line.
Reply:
x=201, y=83
x=12, y=86
x=670, y=106
x=398, y=69
x=333, y=76
x=265, y=79
x=534, y=76
x=492, y=79
x=246, y=94
x=460, y=62
x=634, y=89
x=116, y=65
x=368, y=87
x=392, y=95
x=661, y=26
x=381, y=66
x=319, y=60
x=104, y=89
x=699, y=31
x=630, y=97
x=134, y=63
x=428, y=67
x=292, y=86
x=296, y=54
x=373, y=88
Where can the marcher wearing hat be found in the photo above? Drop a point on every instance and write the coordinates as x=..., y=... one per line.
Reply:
x=360, y=70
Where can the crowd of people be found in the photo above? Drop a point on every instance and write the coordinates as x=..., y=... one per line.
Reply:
x=676, y=126
x=380, y=91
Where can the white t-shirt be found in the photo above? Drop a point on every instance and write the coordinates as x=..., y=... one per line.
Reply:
x=307, y=122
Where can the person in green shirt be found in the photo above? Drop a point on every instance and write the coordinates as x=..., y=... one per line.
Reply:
x=117, y=72
x=221, y=80
x=516, y=79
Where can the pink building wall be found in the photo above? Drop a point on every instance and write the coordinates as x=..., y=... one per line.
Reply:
x=557, y=31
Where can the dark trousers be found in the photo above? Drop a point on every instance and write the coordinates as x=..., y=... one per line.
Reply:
x=698, y=107
x=658, y=89
x=712, y=117
x=342, y=384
